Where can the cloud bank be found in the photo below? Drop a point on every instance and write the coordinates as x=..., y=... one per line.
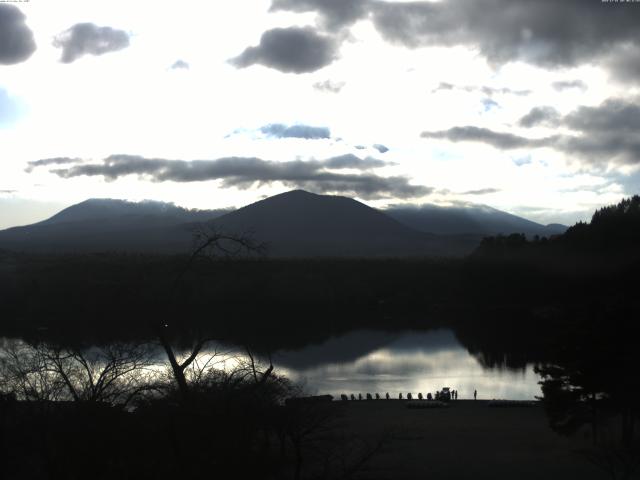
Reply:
x=246, y=172
x=603, y=134
x=546, y=33
x=89, y=39
x=501, y=140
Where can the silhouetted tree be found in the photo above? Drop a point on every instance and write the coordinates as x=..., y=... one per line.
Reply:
x=116, y=373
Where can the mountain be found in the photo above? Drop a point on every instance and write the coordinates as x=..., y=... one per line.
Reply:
x=300, y=223
x=292, y=224
x=472, y=219
x=123, y=212
x=109, y=225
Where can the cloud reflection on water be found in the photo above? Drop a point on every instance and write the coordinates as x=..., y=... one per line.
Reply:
x=370, y=362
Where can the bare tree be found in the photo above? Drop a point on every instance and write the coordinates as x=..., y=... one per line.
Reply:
x=208, y=244
x=25, y=374
x=211, y=244
x=116, y=373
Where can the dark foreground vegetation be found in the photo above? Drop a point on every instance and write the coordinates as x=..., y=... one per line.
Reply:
x=114, y=412
x=568, y=304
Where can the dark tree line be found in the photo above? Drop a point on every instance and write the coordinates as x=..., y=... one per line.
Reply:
x=613, y=232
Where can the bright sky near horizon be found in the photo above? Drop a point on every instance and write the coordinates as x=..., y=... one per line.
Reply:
x=529, y=107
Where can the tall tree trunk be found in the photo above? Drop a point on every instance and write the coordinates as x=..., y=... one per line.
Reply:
x=178, y=370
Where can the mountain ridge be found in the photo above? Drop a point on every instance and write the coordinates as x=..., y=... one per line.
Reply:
x=295, y=223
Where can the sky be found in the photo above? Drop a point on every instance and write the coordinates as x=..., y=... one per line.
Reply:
x=532, y=107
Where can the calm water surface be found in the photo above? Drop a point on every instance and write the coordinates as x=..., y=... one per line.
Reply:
x=394, y=362
x=370, y=362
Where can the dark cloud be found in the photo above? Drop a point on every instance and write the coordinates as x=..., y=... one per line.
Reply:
x=501, y=140
x=290, y=50
x=613, y=115
x=482, y=191
x=16, y=39
x=569, y=84
x=546, y=33
x=540, y=116
x=352, y=161
x=245, y=172
x=603, y=147
x=89, y=39
x=51, y=161
x=624, y=60
x=334, y=14
x=329, y=87
x=279, y=130
x=180, y=65
x=607, y=133
x=381, y=148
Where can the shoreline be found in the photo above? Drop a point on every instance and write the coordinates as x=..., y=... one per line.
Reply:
x=467, y=439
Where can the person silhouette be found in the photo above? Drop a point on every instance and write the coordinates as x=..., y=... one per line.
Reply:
x=475, y=394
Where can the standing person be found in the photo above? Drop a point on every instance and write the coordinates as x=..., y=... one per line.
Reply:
x=475, y=394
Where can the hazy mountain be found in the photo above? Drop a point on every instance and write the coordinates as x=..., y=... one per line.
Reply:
x=472, y=219
x=300, y=223
x=123, y=212
x=110, y=225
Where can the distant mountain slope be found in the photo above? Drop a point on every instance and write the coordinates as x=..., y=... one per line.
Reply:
x=122, y=211
x=473, y=219
x=292, y=224
x=300, y=223
x=109, y=225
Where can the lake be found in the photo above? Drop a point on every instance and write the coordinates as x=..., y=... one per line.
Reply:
x=368, y=361
x=401, y=362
